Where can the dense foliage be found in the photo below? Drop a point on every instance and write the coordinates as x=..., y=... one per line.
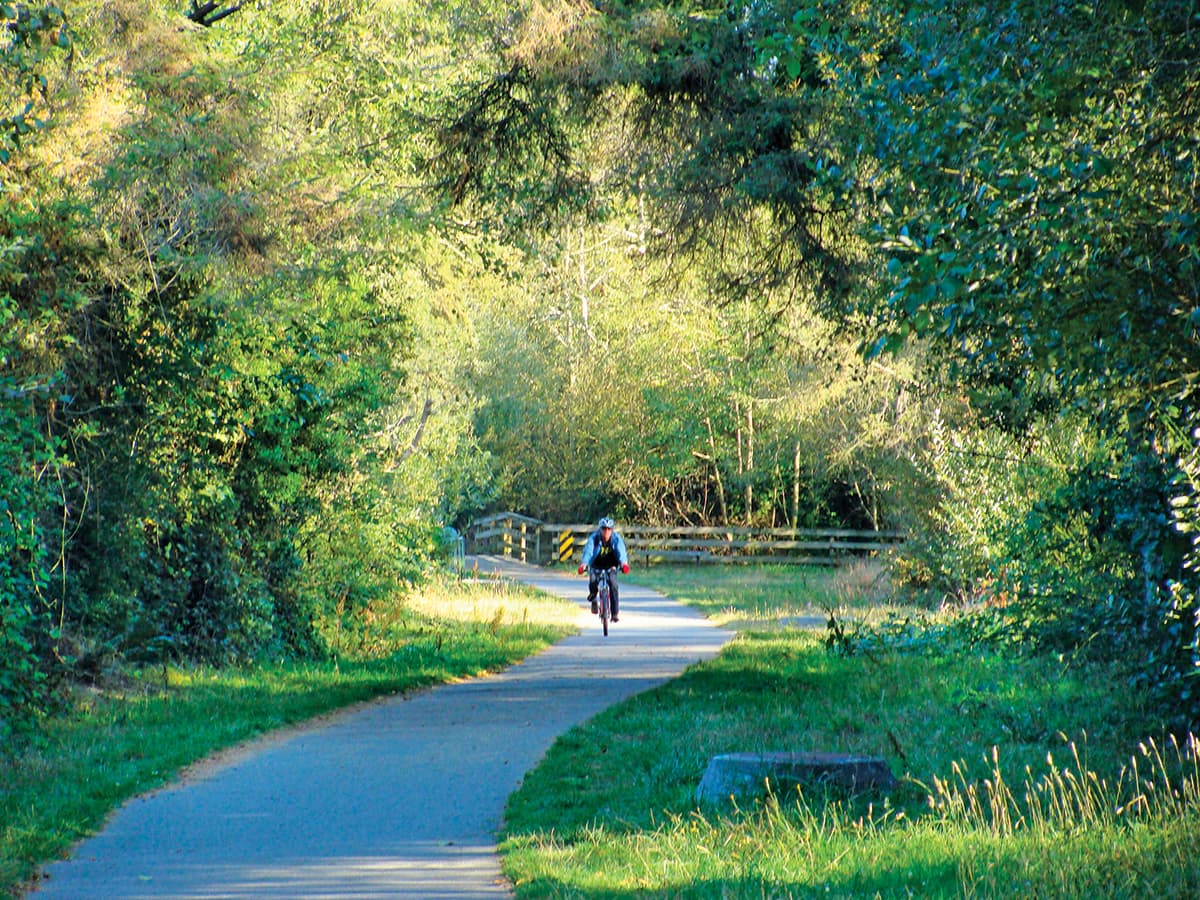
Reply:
x=609, y=385
x=1012, y=185
x=216, y=404
x=919, y=264
x=32, y=300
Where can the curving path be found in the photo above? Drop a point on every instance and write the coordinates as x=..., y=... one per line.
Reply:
x=398, y=798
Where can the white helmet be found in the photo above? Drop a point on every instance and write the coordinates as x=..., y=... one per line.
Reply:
x=606, y=522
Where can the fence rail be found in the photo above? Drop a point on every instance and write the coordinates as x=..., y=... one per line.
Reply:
x=535, y=541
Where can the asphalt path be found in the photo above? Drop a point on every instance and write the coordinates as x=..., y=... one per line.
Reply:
x=401, y=797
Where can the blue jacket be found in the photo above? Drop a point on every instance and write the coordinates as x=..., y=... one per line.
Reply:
x=592, y=547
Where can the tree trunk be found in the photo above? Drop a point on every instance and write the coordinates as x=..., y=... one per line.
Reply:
x=584, y=307
x=712, y=446
x=739, y=437
x=796, y=486
x=749, y=463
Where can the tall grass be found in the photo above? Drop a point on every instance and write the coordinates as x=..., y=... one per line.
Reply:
x=1154, y=785
x=1071, y=832
x=806, y=846
x=1064, y=833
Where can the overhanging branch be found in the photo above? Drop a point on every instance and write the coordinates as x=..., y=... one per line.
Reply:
x=211, y=12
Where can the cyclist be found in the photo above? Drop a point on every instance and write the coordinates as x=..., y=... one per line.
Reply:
x=604, y=549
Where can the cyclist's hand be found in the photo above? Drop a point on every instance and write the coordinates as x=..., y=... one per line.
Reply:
x=625, y=569
x=582, y=569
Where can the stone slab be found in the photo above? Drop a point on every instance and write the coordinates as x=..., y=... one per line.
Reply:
x=742, y=776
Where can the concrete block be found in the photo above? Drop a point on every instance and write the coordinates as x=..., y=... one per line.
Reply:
x=744, y=776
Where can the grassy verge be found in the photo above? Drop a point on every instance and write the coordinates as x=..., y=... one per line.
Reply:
x=754, y=598
x=1011, y=770
x=138, y=730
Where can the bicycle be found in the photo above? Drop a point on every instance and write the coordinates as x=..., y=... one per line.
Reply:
x=604, y=597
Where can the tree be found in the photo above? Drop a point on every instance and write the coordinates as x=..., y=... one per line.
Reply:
x=210, y=368
x=1041, y=233
x=1014, y=184
x=40, y=257
x=613, y=384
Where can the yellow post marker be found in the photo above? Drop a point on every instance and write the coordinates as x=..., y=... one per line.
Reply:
x=566, y=546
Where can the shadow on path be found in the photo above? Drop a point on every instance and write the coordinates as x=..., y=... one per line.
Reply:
x=400, y=798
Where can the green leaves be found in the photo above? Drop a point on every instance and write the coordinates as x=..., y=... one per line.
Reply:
x=202, y=354
x=1034, y=209
x=32, y=33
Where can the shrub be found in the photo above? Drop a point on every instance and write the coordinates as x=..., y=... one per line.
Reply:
x=1067, y=543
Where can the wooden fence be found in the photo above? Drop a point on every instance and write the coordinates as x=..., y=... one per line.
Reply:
x=543, y=543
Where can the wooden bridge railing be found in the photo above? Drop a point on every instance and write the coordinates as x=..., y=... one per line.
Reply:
x=534, y=541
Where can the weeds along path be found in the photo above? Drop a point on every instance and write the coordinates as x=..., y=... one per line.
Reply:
x=399, y=798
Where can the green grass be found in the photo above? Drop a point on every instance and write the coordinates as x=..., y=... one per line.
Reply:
x=143, y=727
x=766, y=597
x=611, y=812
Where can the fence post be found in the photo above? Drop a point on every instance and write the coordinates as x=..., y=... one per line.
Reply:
x=524, y=542
x=506, y=539
x=459, y=555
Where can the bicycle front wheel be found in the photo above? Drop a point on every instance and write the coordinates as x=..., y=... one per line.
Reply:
x=605, y=607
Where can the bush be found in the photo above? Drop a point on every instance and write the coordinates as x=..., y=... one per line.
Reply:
x=984, y=483
x=27, y=630
x=37, y=292
x=1067, y=543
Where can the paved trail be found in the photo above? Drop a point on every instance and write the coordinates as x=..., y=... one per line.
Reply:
x=400, y=798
